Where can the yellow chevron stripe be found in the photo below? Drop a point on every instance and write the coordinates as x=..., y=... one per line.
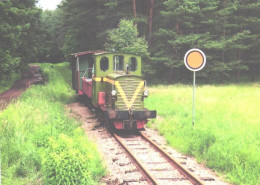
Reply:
x=136, y=93
x=98, y=79
x=110, y=81
x=122, y=93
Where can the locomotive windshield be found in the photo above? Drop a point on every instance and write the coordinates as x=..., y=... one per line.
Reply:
x=118, y=63
x=132, y=64
x=104, y=65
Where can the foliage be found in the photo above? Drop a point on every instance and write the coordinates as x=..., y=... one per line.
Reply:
x=70, y=160
x=228, y=33
x=9, y=70
x=79, y=26
x=51, y=37
x=28, y=126
x=125, y=39
x=226, y=132
x=18, y=37
x=224, y=30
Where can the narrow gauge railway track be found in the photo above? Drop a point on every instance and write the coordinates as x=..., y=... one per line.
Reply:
x=153, y=162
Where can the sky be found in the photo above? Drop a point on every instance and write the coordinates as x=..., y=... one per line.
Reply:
x=48, y=4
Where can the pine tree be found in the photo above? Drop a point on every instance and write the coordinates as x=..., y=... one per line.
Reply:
x=80, y=25
x=248, y=38
x=179, y=33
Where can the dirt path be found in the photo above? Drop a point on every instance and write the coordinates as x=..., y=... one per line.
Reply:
x=31, y=76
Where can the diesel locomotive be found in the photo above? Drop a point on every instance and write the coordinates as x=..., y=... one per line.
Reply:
x=113, y=83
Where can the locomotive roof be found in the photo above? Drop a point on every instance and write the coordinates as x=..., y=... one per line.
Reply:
x=87, y=53
x=114, y=52
x=98, y=52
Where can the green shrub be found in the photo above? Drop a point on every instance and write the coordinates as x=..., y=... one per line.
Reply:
x=70, y=160
x=10, y=70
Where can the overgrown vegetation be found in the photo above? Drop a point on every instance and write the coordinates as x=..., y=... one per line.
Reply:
x=39, y=143
x=19, y=34
x=226, y=131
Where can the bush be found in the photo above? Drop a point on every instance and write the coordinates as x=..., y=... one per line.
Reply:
x=70, y=160
x=10, y=70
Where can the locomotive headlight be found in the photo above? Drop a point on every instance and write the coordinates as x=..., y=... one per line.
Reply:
x=113, y=92
x=146, y=93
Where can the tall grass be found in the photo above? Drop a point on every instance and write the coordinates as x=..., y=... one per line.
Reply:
x=226, y=134
x=36, y=136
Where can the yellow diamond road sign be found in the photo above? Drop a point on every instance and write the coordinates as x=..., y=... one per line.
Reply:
x=195, y=59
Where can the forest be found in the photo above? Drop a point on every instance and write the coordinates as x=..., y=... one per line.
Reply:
x=227, y=31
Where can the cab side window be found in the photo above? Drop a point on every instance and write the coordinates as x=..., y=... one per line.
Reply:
x=104, y=64
x=118, y=63
x=132, y=64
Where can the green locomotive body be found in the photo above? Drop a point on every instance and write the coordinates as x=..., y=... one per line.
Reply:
x=114, y=84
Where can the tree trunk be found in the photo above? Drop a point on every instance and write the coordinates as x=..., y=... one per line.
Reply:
x=223, y=51
x=177, y=28
x=170, y=80
x=150, y=22
x=239, y=56
x=238, y=72
x=134, y=8
x=99, y=21
x=238, y=75
x=252, y=72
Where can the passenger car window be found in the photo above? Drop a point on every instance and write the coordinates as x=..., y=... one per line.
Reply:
x=118, y=63
x=132, y=64
x=104, y=64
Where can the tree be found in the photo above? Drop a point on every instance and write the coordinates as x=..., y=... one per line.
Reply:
x=80, y=25
x=227, y=31
x=19, y=36
x=247, y=38
x=51, y=36
x=178, y=33
x=125, y=39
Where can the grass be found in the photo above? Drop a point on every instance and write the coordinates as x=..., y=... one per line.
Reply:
x=226, y=134
x=39, y=143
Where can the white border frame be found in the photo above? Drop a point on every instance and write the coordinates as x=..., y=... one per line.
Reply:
x=186, y=55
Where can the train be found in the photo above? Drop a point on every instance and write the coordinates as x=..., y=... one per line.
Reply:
x=113, y=83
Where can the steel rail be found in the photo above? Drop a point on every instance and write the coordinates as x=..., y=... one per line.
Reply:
x=190, y=176
x=137, y=163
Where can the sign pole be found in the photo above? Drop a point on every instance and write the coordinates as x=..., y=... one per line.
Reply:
x=194, y=60
x=193, y=105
